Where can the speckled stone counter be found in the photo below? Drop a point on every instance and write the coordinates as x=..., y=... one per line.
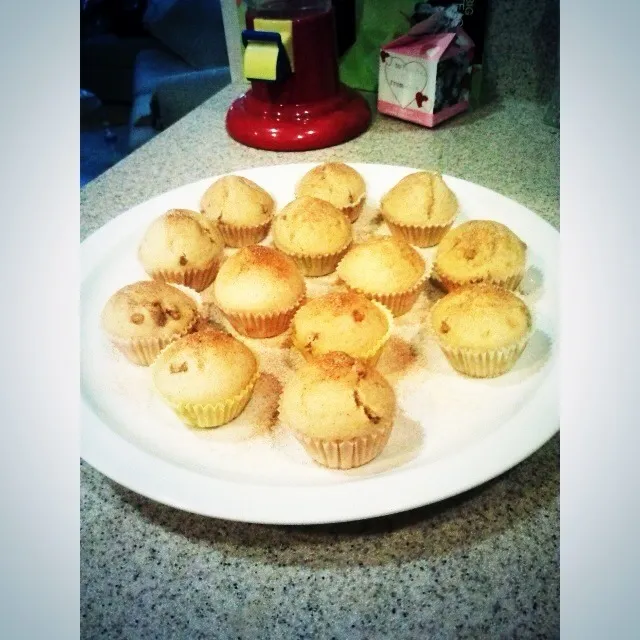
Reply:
x=482, y=565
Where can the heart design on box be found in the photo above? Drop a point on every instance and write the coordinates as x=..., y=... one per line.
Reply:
x=405, y=79
x=420, y=98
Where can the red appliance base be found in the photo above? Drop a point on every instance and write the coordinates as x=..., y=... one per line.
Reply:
x=286, y=127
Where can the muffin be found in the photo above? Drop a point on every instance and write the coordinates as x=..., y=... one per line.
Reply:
x=144, y=317
x=420, y=208
x=184, y=247
x=207, y=377
x=342, y=321
x=337, y=183
x=386, y=269
x=313, y=233
x=482, y=329
x=242, y=209
x=480, y=251
x=259, y=290
x=339, y=409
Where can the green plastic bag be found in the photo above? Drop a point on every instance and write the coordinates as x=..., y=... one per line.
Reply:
x=377, y=22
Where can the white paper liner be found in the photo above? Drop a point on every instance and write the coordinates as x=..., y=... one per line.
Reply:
x=478, y=363
x=345, y=454
x=423, y=237
x=207, y=416
x=315, y=266
x=262, y=325
x=242, y=236
x=451, y=284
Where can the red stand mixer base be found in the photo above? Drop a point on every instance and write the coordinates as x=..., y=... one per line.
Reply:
x=264, y=125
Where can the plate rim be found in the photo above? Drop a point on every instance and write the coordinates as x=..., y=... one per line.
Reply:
x=395, y=490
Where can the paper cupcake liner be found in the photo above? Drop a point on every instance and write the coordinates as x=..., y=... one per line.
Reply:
x=484, y=364
x=345, y=454
x=397, y=303
x=451, y=284
x=259, y=325
x=314, y=266
x=206, y=416
x=353, y=212
x=144, y=351
x=238, y=236
x=419, y=236
x=369, y=357
x=196, y=279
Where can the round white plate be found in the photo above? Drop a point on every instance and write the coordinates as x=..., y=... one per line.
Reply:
x=452, y=433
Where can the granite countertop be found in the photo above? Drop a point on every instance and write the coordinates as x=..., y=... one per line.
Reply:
x=482, y=565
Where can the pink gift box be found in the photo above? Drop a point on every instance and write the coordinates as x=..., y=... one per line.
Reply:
x=425, y=78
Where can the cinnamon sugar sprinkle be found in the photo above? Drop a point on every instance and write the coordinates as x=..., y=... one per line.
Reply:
x=262, y=410
x=398, y=357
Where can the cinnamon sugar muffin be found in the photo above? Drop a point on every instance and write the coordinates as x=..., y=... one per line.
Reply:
x=480, y=251
x=420, y=208
x=314, y=233
x=182, y=246
x=386, y=269
x=144, y=317
x=482, y=329
x=242, y=209
x=259, y=289
x=207, y=377
x=339, y=409
x=337, y=183
x=342, y=321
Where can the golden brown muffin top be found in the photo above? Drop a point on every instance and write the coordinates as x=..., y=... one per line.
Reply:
x=381, y=265
x=258, y=279
x=481, y=317
x=335, y=182
x=311, y=227
x=180, y=240
x=336, y=397
x=237, y=201
x=420, y=199
x=480, y=249
x=341, y=321
x=148, y=308
x=206, y=367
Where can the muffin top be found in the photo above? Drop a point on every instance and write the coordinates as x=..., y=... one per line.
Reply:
x=205, y=367
x=237, y=201
x=382, y=264
x=180, y=240
x=420, y=199
x=480, y=249
x=310, y=226
x=480, y=316
x=148, y=309
x=335, y=182
x=341, y=321
x=258, y=279
x=335, y=396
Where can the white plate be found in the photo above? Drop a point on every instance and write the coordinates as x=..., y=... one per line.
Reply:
x=452, y=433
